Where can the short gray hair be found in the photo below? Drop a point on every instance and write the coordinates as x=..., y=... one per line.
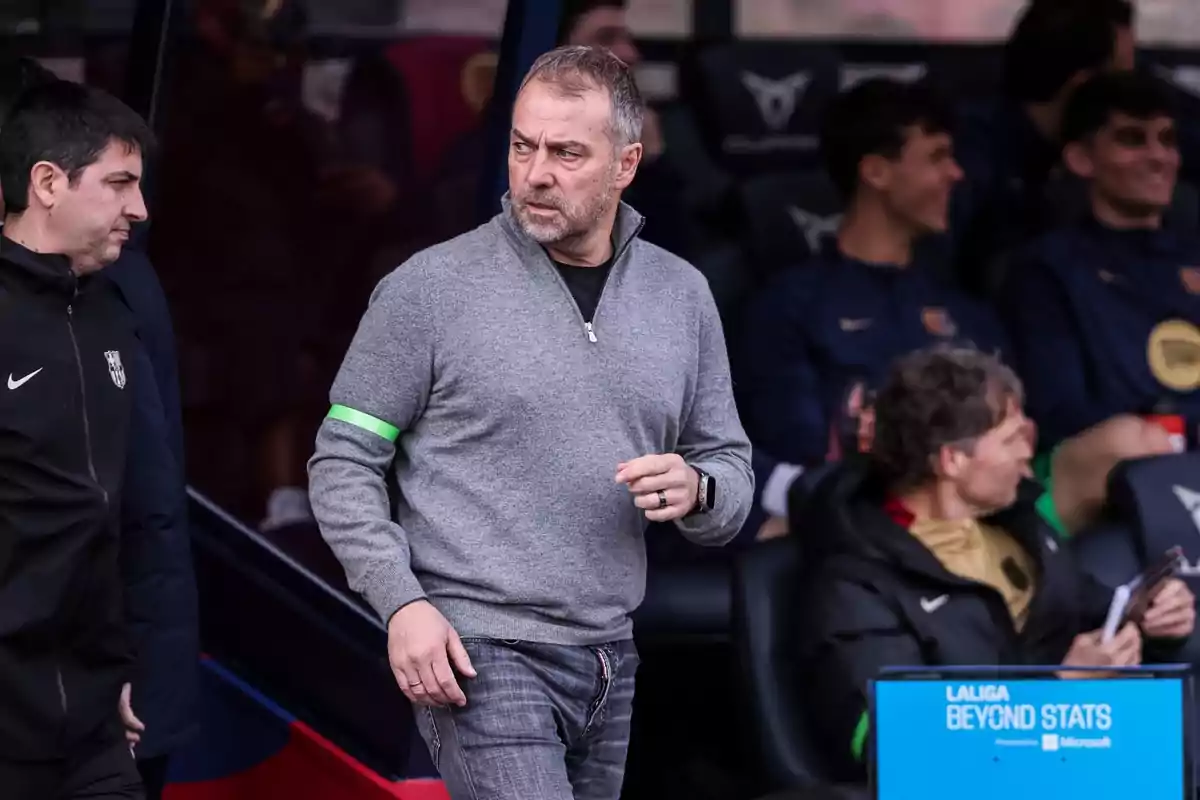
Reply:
x=576, y=69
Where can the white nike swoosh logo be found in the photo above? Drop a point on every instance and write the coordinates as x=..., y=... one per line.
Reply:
x=18, y=384
x=931, y=605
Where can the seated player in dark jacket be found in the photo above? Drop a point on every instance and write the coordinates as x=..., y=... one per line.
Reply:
x=1009, y=149
x=819, y=329
x=1104, y=314
x=933, y=553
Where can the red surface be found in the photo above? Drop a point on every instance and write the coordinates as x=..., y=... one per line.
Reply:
x=309, y=768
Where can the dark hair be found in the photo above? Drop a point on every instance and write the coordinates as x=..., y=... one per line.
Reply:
x=67, y=124
x=874, y=118
x=18, y=76
x=573, y=10
x=1135, y=94
x=1056, y=39
x=934, y=397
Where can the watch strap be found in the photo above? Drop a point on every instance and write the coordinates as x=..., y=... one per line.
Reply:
x=705, y=493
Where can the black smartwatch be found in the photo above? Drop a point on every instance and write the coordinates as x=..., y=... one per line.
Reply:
x=706, y=493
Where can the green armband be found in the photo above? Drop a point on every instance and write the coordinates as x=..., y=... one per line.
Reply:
x=368, y=423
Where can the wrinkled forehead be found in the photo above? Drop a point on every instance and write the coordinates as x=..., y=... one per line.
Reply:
x=556, y=111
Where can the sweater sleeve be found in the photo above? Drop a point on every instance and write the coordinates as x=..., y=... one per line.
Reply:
x=380, y=391
x=712, y=439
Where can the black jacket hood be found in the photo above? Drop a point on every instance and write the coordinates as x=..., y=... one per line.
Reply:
x=845, y=514
x=46, y=271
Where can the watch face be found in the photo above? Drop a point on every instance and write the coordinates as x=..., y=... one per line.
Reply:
x=710, y=499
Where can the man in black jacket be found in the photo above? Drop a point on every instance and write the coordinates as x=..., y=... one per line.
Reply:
x=932, y=552
x=70, y=167
x=160, y=596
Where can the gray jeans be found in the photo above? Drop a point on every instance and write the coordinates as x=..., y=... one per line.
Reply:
x=542, y=722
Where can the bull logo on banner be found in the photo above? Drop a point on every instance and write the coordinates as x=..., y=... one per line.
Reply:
x=814, y=227
x=777, y=99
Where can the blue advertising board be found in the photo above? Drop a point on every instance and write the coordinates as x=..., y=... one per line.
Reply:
x=1029, y=738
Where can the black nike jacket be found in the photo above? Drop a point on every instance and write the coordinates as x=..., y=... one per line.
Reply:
x=873, y=596
x=64, y=417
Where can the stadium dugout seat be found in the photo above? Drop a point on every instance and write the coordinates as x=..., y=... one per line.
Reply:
x=707, y=185
x=764, y=584
x=961, y=72
x=1160, y=499
x=685, y=602
x=758, y=103
x=729, y=278
x=1154, y=504
x=789, y=218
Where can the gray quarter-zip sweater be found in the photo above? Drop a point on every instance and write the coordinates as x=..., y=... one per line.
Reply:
x=500, y=416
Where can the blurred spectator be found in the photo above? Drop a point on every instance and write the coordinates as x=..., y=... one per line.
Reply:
x=657, y=191
x=413, y=108
x=822, y=329
x=933, y=553
x=262, y=228
x=1104, y=313
x=1009, y=150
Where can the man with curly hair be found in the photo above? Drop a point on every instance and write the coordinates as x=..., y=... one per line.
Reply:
x=932, y=552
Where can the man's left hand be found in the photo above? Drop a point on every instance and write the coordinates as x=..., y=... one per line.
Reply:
x=652, y=478
x=133, y=726
x=1172, y=614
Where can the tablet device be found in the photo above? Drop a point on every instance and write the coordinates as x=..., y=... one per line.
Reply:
x=1131, y=600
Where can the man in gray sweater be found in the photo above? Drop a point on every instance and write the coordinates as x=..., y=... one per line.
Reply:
x=532, y=392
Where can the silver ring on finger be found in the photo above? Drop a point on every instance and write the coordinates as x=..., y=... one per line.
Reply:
x=662, y=499
x=414, y=684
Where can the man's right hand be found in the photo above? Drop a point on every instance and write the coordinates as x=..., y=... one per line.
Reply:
x=1089, y=650
x=421, y=647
